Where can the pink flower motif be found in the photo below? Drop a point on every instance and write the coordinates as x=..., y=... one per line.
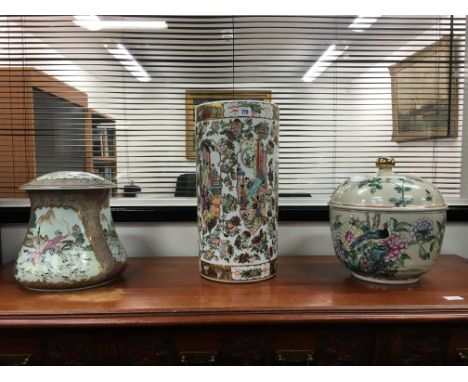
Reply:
x=349, y=236
x=364, y=263
x=396, y=246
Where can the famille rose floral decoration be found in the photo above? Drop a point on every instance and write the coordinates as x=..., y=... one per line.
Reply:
x=237, y=189
x=71, y=242
x=387, y=228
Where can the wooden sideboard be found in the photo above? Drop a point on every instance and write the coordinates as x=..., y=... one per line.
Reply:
x=161, y=312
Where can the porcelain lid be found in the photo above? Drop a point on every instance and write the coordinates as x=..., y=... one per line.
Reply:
x=68, y=180
x=387, y=189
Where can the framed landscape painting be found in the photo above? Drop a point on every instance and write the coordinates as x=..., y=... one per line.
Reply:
x=193, y=98
x=423, y=87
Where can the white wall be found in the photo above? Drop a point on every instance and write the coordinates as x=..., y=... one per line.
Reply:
x=180, y=239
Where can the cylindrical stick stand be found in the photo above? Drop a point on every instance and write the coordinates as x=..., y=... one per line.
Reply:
x=237, y=189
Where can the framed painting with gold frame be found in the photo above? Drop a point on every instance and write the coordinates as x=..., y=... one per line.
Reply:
x=193, y=98
x=420, y=94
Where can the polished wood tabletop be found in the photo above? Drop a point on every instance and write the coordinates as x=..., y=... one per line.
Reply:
x=170, y=291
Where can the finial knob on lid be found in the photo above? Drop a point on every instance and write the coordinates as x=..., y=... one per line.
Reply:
x=385, y=162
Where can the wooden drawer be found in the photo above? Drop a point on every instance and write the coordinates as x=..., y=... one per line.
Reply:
x=423, y=345
x=19, y=348
x=363, y=344
x=194, y=346
x=247, y=345
x=323, y=345
x=57, y=347
x=275, y=345
x=458, y=346
x=145, y=346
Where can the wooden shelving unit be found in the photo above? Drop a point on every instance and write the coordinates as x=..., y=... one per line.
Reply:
x=33, y=106
x=39, y=116
x=104, y=146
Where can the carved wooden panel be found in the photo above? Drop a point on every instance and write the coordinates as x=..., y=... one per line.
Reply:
x=424, y=350
x=246, y=350
x=67, y=351
x=148, y=349
x=346, y=350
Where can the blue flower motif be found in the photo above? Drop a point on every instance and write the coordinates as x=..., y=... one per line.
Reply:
x=422, y=229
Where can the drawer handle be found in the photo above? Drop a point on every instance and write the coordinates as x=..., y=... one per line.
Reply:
x=463, y=354
x=14, y=359
x=198, y=358
x=295, y=357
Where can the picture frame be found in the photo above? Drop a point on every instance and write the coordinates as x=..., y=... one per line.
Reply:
x=420, y=94
x=193, y=98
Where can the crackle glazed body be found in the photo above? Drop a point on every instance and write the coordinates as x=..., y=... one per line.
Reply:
x=71, y=241
x=387, y=228
x=237, y=189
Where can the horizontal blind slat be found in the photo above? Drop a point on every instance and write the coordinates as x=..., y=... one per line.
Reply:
x=330, y=128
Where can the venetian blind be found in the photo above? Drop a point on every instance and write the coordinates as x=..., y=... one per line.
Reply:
x=115, y=96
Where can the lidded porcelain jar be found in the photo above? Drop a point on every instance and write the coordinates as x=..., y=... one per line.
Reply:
x=71, y=242
x=388, y=227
